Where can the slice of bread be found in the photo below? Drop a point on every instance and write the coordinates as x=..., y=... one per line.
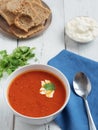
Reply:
x=24, y=22
x=42, y=12
x=7, y=15
x=14, y=6
x=26, y=17
x=22, y=34
x=37, y=1
x=26, y=8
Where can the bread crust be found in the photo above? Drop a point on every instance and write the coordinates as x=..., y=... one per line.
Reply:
x=22, y=34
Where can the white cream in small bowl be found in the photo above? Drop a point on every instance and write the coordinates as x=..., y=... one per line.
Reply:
x=82, y=29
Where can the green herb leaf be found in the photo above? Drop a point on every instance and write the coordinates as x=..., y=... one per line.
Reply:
x=49, y=86
x=19, y=57
x=3, y=53
x=1, y=73
x=24, y=49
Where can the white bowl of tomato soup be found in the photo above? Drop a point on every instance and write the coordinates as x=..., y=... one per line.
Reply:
x=37, y=93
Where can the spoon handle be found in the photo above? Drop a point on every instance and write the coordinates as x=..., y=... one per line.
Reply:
x=90, y=119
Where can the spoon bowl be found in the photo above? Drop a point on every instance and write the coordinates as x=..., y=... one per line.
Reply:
x=82, y=87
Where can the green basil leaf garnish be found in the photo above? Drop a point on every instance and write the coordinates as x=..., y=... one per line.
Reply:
x=49, y=86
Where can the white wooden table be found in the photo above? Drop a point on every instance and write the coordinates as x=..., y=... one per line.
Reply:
x=47, y=46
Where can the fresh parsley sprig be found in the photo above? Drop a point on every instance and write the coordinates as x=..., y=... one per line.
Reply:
x=19, y=57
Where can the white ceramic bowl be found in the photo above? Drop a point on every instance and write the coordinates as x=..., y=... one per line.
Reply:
x=82, y=29
x=45, y=119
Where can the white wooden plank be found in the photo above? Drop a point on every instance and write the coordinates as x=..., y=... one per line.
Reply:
x=81, y=8
x=19, y=125
x=53, y=126
x=6, y=116
x=53, y=39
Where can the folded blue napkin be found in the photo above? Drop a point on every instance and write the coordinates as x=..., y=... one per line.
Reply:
x=74, y=116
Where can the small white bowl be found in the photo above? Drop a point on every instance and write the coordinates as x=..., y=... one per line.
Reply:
x=82, y=29
x=45, y=119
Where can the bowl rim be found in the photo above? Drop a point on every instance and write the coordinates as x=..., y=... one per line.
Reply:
x=8, y=81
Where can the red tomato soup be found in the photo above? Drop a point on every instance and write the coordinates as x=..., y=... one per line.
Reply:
x=24, y=94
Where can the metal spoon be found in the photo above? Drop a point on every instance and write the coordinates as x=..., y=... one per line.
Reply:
x=82, y=88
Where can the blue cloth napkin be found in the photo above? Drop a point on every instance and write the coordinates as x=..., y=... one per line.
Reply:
x=74, y=116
